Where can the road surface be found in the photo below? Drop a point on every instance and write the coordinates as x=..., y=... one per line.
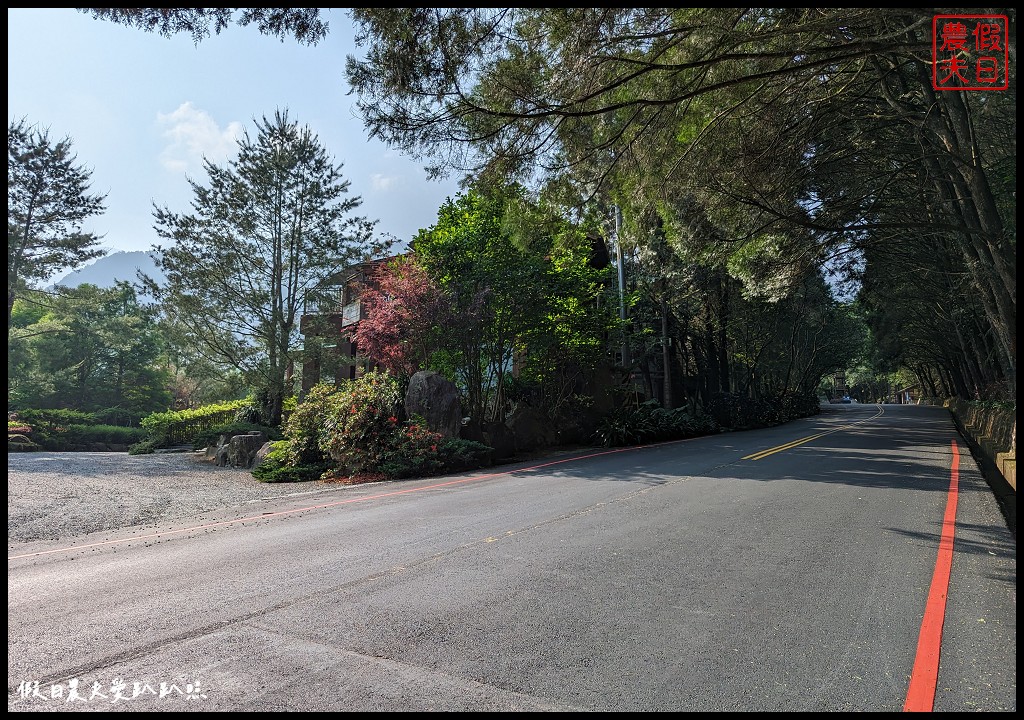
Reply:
x=853, y=561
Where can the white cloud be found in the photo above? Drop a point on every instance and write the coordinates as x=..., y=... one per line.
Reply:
x=384, y=183
x=193, y=135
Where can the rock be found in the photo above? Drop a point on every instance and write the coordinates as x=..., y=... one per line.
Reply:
x=262, y=453
x=242, y=449
x=500, y=438
x=436, y=399
x=20, y=443
x=529, y=427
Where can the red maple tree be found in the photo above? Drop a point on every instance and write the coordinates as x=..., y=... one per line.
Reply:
x=404, y=314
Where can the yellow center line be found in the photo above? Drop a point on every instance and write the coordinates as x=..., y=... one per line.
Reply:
x=780, y=448
x=796, y=443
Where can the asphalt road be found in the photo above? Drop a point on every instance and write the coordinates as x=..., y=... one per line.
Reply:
x=790, y=569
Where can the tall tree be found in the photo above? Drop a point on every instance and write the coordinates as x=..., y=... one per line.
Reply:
x=267, y=229
x=815, y=127
x=520, y=298
x=804, y=135
x=48, y=199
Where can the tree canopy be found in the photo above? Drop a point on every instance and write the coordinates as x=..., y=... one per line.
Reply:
x=264, y=233
x=87, y=349
x=775, y=140
x=304, y=24
x=48, y=200
x=765, y=143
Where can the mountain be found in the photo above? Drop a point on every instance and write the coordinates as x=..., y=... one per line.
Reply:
x=109, y=269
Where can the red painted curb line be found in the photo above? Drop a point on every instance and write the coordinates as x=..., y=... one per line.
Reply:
x=924, y=678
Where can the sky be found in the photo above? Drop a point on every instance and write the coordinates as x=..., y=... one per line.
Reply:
x=142, y=111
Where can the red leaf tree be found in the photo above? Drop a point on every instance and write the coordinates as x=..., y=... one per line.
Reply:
x=405, y=315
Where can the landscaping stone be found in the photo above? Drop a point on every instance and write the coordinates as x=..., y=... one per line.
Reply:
x=242, y=449
x=435, y=398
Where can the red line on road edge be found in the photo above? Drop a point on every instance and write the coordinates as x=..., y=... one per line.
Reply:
x=349, y=501
x=924, y=678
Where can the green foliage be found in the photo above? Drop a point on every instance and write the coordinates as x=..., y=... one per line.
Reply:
x=1010, y=405
x=118, y=416
x=49, y=423
x=271, y=224
x=740, y=412
x=649, y=422
x=304, y=24
x=458, y=454
x=358, y=429
x=176, y=426
x=143, y=447
x=277, y=466
x=48, y=200
x=520, y=292
x=91, y=349
x=754, y=160
x=305, y=426
x=256, y=408
x=363, y=424
x=76, y=437
x=73, y=429
x=411, y=451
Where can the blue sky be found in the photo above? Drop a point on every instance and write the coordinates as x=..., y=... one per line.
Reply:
x=143, y=110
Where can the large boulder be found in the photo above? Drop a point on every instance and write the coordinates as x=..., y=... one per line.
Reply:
x=500, y=438
x=530, y=429
x=436, y=399
x=262, y=453
x=242, y=449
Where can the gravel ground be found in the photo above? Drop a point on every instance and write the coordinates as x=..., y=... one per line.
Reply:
x=53, y=495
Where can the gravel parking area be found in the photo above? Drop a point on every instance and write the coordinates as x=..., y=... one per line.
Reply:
x=53, y=495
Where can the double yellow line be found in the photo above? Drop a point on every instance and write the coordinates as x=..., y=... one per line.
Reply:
x=796, y=443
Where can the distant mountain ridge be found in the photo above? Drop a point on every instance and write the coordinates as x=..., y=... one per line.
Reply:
x=109, y=269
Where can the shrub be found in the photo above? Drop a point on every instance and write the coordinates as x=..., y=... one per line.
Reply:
x=276, y=467
x=649, y=422
x=48, y=424
x=305, y=425
x=118, y=416
x=356, y=432
x=181, y=426
x=459, y=454
x=798, y=405
x=80, y=436
x=143, y=447
x=740, y=412
x=361, y=426
x=409, y=451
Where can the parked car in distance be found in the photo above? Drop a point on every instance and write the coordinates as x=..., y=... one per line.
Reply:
x=846, y=399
